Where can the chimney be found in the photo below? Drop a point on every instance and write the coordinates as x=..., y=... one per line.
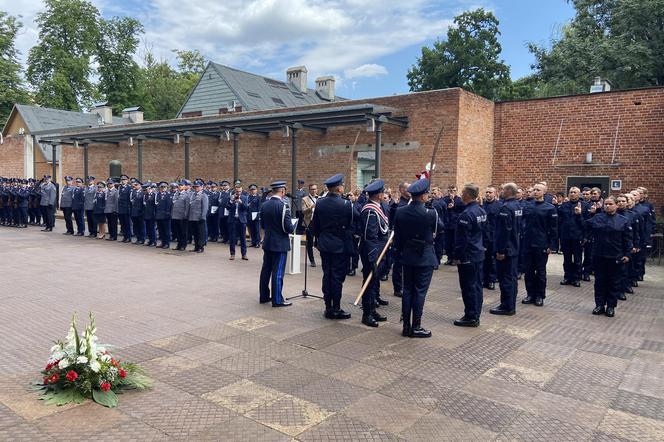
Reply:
x=104, y=111
x=297, y=76
x=325, y=87
x=135, y=114
x=600, y=85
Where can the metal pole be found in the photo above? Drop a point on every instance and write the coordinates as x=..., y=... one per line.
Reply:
x=85, y=162
x=379, y=141
x=139, y=160
x=186, y=155
x=34, y=156
x=236, y=159
x=54, y=150
x=293, y=159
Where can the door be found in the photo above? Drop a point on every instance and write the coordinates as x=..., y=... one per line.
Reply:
x=603, y=182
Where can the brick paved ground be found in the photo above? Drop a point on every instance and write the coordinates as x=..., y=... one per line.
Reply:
x=227, y=368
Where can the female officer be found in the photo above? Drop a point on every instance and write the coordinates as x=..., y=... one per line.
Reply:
x=612, y=243
x=98, y=211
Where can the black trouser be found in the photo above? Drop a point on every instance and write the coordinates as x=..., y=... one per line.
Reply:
x=164, y=226
x=372, y=292
x=92, y=225
x=150, y=231
x=449, y=243
x=125, y=225
x=439, y=245
x=48, y=213
x=223, y=226
x=354, y=258
x=310, y=246
x=22, y=216
x=198, y=230
x=587, y=258
x=180, y=231
x=80, y=221
x=69, y=224
x=535, y=261
x=470, y=281
x=607, y=281
x=508, y=272
x=139, y=228
x=489, y=267
x=572, y=259
x=272, y=275
x=255, y=231
x=237, y=230
x=112, y=221
x=213, y=225
x=335, y=267
x=397, y=274
x=416, y=281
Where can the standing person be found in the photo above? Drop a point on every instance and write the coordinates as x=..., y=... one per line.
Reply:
x=136, y=211
x=33, y=204
x=612, y=244
x=541, y=233
x=594, y=207
x=276, y=222
x=111, y=210
x=332, y=226
x=213, y=212
x=253, y=210
x=66, y=199
x=163, y=205
x=78, y=207
x=374, y=228
x=439, y=205
x=644, y=210
x=224, y=198
x=634, y=223
x=415, y=227
x=507, y=242
x=124, y=208
x=454, y=207
x=237, y=221
x=180, y=215
x=197, y=216
x=308, y=206
x=491, y=205
x=397, y=267
x=99, y=208
x=299, y=193
x=354, y=258
x=48, y=200
x=469, y=239
x=149, y=212
x=22, y=196
x=570, y=229
x=638, y=243
x=90, y=194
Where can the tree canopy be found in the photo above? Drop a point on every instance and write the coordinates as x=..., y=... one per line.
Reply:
x=12, y=89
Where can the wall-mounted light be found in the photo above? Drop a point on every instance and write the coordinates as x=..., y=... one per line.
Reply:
x=589, y=158
x=76, y=144
x=371, y=125
x=176, y=138
x=285, y=131
x=131, y=141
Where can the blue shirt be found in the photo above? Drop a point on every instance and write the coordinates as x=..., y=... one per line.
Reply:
x=470, y=235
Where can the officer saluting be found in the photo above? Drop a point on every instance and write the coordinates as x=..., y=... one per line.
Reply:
x=332, y=225
x=415, y=228
x=276, y=222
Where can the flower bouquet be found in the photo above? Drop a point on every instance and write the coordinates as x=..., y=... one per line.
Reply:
x=79, y=368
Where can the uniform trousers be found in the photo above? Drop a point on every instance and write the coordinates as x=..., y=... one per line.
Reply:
x=213, y=225
x=397, y=274
x=587, y=259
x=535, y=261
x=139, y=228
x=198, y=229
x=470, y=281
x=48, y=213
x=507, y=270
x=180, y=232
x=449, y=243
x=80, y=221
x=640, y=263
x=92, y=225
x=335, y=267
x=125, y=225
x=237, y=230
x=164, y=226
x=489, y=268
x=255, y=232
x=416, y=282
x=223, y=227
x=439, y=246
x=112, y=220
x=354, y=258
x=22, y=216
x=67, y=214
x=272, y=276
x=372, y=291
x=572, y=259
x=607, y=281
x=150, y=230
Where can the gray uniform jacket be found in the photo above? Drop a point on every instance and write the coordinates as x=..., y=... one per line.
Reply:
x=90, y=197
x=111, y=201
x=180, y=205
x=199, y=206
x=48, y=196
x=67, y=196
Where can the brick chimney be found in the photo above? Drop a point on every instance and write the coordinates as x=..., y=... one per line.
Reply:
x=297, y=76
x=104, y=111
x=325, y=87
x=135, y=114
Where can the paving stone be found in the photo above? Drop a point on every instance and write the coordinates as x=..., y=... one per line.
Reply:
x=202, y=379
x=657, y=346
x=416, y=391
x=566, y=409
x=138, y=404
x=177, y=343
x=30, y=407
x=501, y=391
x=582, y=389
x=576, y=372
x=326, y=336
x=366, y=376
x=90, y=418
x=132, y=431
x=351, y=350
x=322, y=362
x=242, y=429
x=646, y=406
x=519, y=374
x=250, y=323
x=443, y=375
x=249, y=342
x=215, y=332
x=379, y=411
x=140, y=353
x=166, y=367
x=289, y=415
x=7, y=417
x=331, y=394
x=208, y=353
x=247, y=364
x=284, y=351
x=528, y=427
x=286, y=378
x=391, y=361
x=631, y=426
x=23, y=432
x=477, y=411
x=343, y=428
x=438, y=427
x=603, y=437
x=243, y=396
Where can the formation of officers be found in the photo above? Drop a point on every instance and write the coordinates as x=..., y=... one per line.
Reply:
x=500, y=238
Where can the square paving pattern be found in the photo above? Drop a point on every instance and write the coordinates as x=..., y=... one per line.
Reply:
x=227, y=368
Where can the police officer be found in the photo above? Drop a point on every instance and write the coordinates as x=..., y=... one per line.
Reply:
x=438, y=203
x=78, y=206
x=253, y=209
x=22, y=195
x=48, y=200
x=491, y=205
x=66, y=198
x=397, y=268
x=374, y=231
x=224, y=198
x=275, y=219
x=454, y=207
x=180, y=214
x=237, y=221
x=415, y=228
x=197, y=215
x=111, y=210
x=99, y=209
x=163, y=206
x=469, y=239
x=647, y=218
x=213, y=212
x=612, y=244
x=149, y=212
x=124, y=208
x=570, y=228
x=507, y=237
x=332, y=226
x=136, y=211
x=635, y=224
x=90, y=193
x=540, y=236
x=33, y=203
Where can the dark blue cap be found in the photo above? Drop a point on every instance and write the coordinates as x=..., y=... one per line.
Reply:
x=278, y=184
x=334, y=180
x=101, y=184
x=376, y=187
x=124, y=177
x=174, y=184
x=90, y=178
x=300, y=181
x=418, y=187
x=145, y=186
x=253, y=186
x=68, y=178
x=185, y=183
x=154, y=185
x=47, y=177
x=136, y=182
x=163, y=184
x=224, y=182
x=199, y=183
x=79, y=180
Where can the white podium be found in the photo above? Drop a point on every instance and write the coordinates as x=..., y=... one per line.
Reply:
x=295, y=255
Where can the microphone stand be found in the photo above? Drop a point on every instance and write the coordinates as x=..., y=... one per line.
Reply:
x=305, y=294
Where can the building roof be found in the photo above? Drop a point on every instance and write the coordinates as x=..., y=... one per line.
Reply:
x=254, y=92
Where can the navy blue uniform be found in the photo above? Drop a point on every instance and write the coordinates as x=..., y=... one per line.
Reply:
x=647, y=220
x=276, y=222
x=507, y=240
x=124, y=211
x=373, y=230
x=439, y=242
x=540, y=236
x=213, y=216
x=224, y=198
x=163, y=205
x=451, y=223
x=491, y=208
x=397, y=267
x=253, y=221
x=78, y=206
x=100, y=205
x=237, y=223
x=570, y=229
x=469, y=248
x=628, y=270
x=136, y=212
x=149, y=214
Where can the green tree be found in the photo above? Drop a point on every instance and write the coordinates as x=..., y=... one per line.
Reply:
x=118, y=72
x=12, y=89
x=59, y=66
x=468, y=58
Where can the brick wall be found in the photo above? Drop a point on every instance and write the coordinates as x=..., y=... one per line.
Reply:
x=12, y=156
x=525, y=135
x=475, y=149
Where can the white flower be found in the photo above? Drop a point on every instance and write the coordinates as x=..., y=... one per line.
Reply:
x=57, y=355
x=95, y=366
x=64, y=363
x=105, y=358
x=81, y=360
x=101, y=349
x=56, y=347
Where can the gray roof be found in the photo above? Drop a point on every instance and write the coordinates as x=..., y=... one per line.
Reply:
x=221, y=84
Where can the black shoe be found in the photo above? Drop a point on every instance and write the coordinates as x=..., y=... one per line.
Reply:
x=68, y=233
x=398, y=294
x=283, y=304
x=244, y=258
x=80, y=234
x=528, y=300
x=313, y=264
x=622, y=297
x=329, y=313
x=539, y=302
x=629, y=290
x=369, y=321
x=576, y=284
x=598, y=310
x=419, y=332
x=466, y=322
x=406, y=330
x=381, y=301
x=491, y=286
x=201, y=250
x=140, y=242
x=565, y=282
x=640, y=278
x=586, y=278
x=449, y=263
x=45, y=230
x=378, y=317
x=383, y=278
x=610, y=312
x=351, y=273
x=502, y=311
x=340, y=314
x=264, y=302
x=634, y=284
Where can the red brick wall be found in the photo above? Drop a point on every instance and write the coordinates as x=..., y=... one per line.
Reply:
x=12, y=157
x=525, y=137
x=475, y=150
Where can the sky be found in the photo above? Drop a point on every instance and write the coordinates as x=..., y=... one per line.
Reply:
x=368, y=45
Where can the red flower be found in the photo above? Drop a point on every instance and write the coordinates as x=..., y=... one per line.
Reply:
x=105, y=386
x=122, y=373
x=53, y=378
x=72, y=375
x=45, y=380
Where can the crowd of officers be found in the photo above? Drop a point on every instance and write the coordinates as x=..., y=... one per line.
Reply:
x=501, y=237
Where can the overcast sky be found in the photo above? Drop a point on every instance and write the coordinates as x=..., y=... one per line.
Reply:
x=368, y=45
